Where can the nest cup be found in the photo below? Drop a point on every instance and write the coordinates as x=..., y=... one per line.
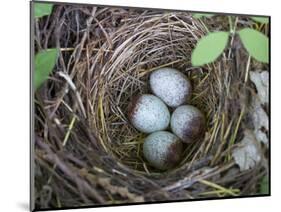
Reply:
x=125, y=63
x=103, y=155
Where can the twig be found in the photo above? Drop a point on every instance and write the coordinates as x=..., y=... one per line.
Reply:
x=73, y=87
x=247, y=68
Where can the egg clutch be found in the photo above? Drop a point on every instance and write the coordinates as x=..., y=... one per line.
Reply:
x=149, y=113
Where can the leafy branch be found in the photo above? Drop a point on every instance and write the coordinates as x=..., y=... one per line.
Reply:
x=44, y=64
x=212, y=45
x=44, y=60
x=42, y=9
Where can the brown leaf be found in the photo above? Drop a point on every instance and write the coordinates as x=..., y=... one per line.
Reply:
x=260, y=120
x=261, y=81
x=248, y=155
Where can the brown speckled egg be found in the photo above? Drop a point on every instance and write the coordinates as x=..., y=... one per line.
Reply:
x=148, y=113
x=162, y=150
x=188, y=123
x=170, y=85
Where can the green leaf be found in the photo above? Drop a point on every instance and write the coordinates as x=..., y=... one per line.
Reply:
x=264, y=185
x=262, y=20
x=255, y=43
x=209, y=48
x=44, y=64
x=200, y=15
x=42, y=9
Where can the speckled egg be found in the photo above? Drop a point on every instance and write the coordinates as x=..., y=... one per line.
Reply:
x=162, y=150
x=170, y=85
x=148, y=113
x=188, y=123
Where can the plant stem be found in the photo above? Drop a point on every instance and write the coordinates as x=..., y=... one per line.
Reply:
x=230, y=24
x=232, y=31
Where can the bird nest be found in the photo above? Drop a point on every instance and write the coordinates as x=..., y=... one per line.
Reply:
x=86, y=150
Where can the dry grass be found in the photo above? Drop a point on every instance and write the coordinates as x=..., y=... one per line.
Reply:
x=86, y=151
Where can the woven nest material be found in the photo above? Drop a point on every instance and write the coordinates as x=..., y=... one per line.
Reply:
x=87, y=152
